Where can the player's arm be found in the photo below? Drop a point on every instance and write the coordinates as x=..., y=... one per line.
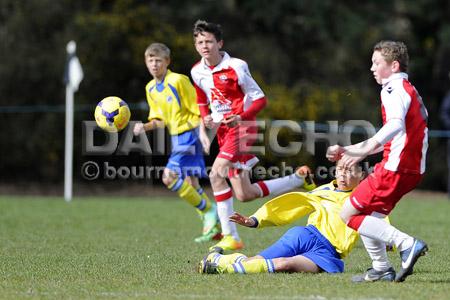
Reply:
x=256, y=106
x=253, y=93
x=150, y=125
x=375, y=144
x=395, y=106
x=204, y=139
x=279, y=211
x=356, y=151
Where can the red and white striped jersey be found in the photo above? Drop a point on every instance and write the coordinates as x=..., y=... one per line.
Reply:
x=228, y=87
x=406, y=152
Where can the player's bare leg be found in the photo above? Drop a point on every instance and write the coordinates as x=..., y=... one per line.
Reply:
x=243, y=189
x=246, y=191
x=296, y=263
x=219, y=173
x=348, y=211
x=224, y=198
x=256, y=264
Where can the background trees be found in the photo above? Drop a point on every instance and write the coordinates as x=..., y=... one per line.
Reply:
x=312, y=58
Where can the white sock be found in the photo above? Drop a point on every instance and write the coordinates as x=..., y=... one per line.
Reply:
x=225, y=210
x=377, y=252
x=380, y=230
x=284, y=184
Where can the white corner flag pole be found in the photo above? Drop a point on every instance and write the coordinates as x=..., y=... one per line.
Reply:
x=73, y=76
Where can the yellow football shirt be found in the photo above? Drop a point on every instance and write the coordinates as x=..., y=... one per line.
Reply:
x=174, y=102
x=323, y=205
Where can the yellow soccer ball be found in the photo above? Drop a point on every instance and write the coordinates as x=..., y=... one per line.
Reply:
x=112, y=114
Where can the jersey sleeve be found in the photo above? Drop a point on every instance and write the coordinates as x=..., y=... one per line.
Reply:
x=396, y=104
x=248, y=85
x=256, y=106
x=391, y=128
x=284, y=209
x=202, y=101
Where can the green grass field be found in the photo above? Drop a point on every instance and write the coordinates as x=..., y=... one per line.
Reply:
x=98, y=248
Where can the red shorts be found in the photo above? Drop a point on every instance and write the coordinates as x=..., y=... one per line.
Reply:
x=235, y=144
x=382, y=189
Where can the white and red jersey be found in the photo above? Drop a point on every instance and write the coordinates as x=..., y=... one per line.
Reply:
x=406, y=152
x=228, y=87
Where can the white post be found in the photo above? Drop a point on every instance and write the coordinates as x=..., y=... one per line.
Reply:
x=73, y=77
x=68, y=164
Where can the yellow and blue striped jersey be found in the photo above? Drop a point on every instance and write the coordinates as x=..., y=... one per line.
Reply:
x=323, y=205
x=173, y=101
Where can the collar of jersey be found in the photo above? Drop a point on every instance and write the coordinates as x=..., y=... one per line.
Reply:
x=219, y=66
x=160, y=85
x=394, y=76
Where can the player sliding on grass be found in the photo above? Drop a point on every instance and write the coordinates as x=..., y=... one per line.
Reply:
x=224, y=83
x=172, y=101
x=405, y=139
x=318, y=247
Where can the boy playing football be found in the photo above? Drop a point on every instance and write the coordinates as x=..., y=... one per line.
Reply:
x=404, y=136
x=172, y=101
x=318, y=247
x=224, y=83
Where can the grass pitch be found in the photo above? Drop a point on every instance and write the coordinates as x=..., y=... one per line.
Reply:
x=116, y=248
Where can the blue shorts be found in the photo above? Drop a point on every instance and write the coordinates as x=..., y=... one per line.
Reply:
x=308, y=242
x=186, y=158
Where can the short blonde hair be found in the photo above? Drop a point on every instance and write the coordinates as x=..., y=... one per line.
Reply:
x=157, y=49
x=394, y=51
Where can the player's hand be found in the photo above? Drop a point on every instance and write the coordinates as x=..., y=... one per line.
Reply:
x=208, y=121
x=334, y=153
x=350, y=159
x=206, y=143
x=242, y=220
x=232, y=120
x=138, y=128
x=303, y=171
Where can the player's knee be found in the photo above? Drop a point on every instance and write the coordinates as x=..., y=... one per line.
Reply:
x=169, y=177
x=168, y=180
x=213, y=178
x=216, y=175
x=244, y=196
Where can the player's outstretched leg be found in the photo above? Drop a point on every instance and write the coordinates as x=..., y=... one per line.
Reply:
x=409, y=257
x=301, y=178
